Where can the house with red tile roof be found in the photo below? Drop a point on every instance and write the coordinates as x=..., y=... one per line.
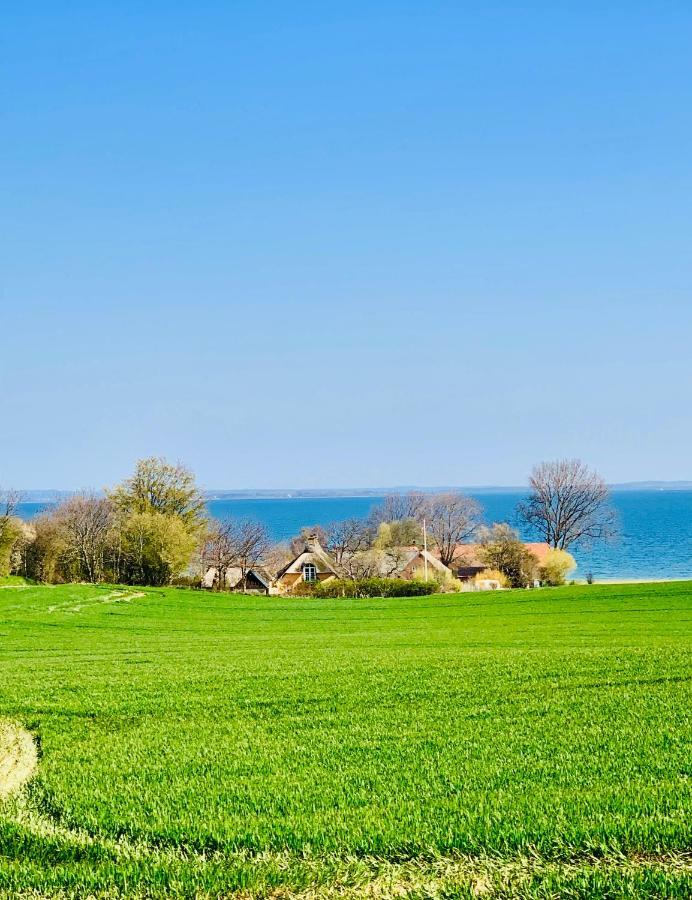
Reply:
x=467, y=558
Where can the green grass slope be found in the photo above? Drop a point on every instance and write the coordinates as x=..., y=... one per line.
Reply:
x=522, y=744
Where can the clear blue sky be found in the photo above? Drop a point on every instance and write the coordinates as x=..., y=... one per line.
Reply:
x=326, y=244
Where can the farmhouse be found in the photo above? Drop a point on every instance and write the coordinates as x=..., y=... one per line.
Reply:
x=395, y=562
x=312, y=565
x=414, y=565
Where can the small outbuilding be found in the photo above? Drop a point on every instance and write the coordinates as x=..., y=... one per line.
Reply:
x=256, y=581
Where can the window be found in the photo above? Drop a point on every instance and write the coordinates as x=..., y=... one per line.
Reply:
x=309, y=572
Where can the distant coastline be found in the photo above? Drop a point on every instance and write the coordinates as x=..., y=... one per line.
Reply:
x=53, y=496
x=655, y=535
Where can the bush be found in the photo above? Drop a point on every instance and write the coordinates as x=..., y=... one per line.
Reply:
x=556, y=566
x=187, y=581
x=303, y=588
x=11, y=538
x=373, y=587
x=492, y=575
x=450, y=586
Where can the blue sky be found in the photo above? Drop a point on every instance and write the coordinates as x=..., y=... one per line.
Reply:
x=309, y=244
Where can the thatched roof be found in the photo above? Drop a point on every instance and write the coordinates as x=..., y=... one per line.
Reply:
x=392, y=563
x=234, y=576
x=313, y=554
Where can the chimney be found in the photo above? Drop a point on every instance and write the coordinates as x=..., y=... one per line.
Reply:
x=312, y=544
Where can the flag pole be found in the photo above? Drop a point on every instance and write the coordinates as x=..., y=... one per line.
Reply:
x=425, y=549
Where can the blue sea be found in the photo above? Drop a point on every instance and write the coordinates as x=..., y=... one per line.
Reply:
x=655, y=538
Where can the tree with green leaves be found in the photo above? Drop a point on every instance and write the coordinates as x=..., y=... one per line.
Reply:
x=155, y=548
x=157, y=486
x=161, y=521
x=502, y=549
x=398, y=533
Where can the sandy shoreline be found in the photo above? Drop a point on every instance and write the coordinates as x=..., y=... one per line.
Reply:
x=634, y=580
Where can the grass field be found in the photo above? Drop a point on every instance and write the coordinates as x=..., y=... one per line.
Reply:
x=528, y=744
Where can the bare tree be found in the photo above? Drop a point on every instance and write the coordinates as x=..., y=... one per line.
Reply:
x=9, y=501
x=233, y=544
x=86, y=522
x=396, y=507
x=306, y=534
x=252, y=540
x=568, y=503
x=451, y=519
x=11, y=530
x=347, y=537
x=276, y=557
x=220, y=550
x=373, y=563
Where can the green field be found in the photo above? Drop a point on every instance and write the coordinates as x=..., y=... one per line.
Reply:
x=528, y=744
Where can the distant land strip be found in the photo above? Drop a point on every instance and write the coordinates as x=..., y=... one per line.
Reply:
x=52, y=495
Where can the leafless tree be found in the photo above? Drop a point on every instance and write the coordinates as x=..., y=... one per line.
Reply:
x=306, y=534
x=86, y=522
x=252, y=541
x=396, y=507
x=235, y=544
x=451, y=519
x=9, y=501
x=220, y=550
x=568, y=504
x=276, y=557
x=11, y=530
x=373, y=563
x=347, y=537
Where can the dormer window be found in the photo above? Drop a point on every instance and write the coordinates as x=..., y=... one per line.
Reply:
x=309, y=572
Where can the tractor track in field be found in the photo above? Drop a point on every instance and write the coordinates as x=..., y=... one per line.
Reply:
x=113, y=597
x=320, y=876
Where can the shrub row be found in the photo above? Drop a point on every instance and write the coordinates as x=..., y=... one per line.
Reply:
x=374, y=587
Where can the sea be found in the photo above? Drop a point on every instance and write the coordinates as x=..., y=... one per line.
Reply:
x=654, y=541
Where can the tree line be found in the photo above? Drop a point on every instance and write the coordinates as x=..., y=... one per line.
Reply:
x=153, y=529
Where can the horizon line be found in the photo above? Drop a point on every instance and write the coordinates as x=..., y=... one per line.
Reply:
x=379, y=490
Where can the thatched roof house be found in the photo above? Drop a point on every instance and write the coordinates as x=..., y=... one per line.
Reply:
x=395, y=562
x=313, y=564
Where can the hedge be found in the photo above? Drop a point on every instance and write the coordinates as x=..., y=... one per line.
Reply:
x=374, y=587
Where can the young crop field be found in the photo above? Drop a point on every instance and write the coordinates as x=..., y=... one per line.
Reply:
x=171, y=743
